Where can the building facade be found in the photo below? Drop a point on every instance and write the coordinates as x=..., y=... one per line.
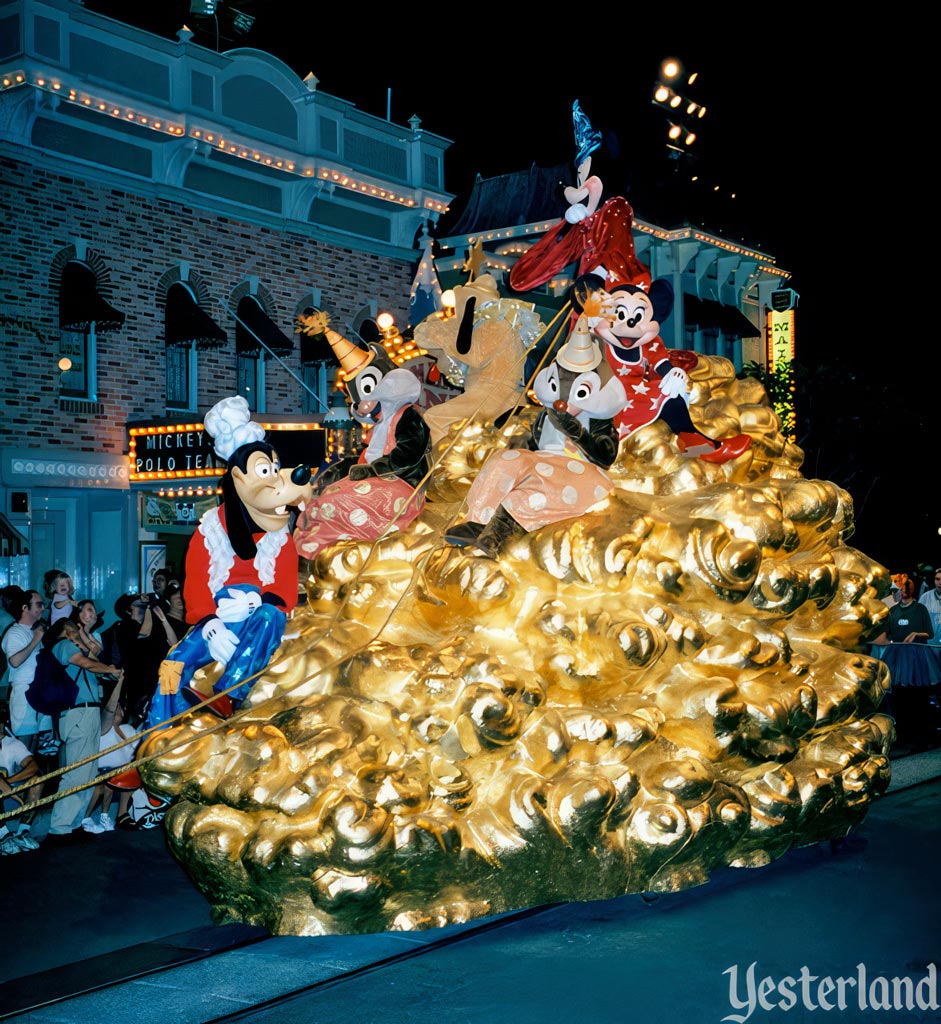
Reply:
x=168, y=213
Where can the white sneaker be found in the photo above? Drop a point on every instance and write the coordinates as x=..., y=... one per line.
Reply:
x=106, y=822
x=9, y=846
x=24, y=839
x=90, y=825
x=48, y=744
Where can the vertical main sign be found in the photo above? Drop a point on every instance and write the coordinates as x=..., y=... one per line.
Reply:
x=780, y=357
x=781, y=327
x=780, y=337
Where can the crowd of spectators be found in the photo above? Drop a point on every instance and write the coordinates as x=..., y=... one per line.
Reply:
x=910, y=645
x=116, y=671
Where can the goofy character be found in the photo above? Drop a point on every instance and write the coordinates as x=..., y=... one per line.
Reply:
x=241, y=569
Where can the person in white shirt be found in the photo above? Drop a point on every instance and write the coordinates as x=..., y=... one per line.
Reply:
x=21, y=646
x=17, y=767
x=931, y=599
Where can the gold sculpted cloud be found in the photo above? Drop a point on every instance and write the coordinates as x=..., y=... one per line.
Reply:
x=624, y=702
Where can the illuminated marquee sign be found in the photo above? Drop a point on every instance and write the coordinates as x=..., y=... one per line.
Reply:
x=183, y=452
x=780, y=337
x=176, y=452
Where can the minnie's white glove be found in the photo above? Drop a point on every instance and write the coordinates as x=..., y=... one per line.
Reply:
x=674, y=383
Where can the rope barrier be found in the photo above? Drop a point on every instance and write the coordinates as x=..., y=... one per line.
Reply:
x=324, y=633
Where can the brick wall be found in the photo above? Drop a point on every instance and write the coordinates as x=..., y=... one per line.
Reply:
x=140, y=239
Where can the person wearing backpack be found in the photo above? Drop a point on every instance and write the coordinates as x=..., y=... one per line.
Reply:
x=21, y=647
x=79, y=727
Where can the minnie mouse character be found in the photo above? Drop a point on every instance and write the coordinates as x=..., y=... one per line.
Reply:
x=629, y=325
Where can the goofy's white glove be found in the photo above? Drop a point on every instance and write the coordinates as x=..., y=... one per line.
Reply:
x=237, y=605
x=220, y=640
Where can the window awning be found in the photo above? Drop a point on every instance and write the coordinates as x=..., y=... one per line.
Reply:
x=706, y=313
x=253, y=326
x=80, y=304
x=12, y=542
x=185, y=323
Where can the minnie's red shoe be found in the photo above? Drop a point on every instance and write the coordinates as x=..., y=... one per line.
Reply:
x=730, y=448
x=686, y=440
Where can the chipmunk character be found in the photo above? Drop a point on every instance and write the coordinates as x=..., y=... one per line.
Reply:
x=362, y=498
x=241, y=568
x=561, y=474
x=629, y=325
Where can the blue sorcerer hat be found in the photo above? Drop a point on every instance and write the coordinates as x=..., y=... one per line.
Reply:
x=587, y=140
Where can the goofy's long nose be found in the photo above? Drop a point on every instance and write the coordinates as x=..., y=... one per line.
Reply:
x=300, y=475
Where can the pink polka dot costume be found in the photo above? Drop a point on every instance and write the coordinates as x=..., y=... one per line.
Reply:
x=562, y=473
x=365, y=497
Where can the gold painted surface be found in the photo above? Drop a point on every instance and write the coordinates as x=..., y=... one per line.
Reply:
x=620, y=703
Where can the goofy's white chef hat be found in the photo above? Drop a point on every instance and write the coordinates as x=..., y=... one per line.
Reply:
x=229, y=423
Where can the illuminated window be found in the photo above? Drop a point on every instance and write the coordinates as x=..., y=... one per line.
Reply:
x=84, y=314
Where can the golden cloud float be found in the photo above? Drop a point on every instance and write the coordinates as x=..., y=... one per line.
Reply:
x=621, y=703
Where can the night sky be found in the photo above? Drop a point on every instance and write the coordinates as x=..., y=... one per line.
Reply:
x=799, y=125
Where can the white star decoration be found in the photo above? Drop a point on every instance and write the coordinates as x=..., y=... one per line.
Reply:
x=640, y=388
